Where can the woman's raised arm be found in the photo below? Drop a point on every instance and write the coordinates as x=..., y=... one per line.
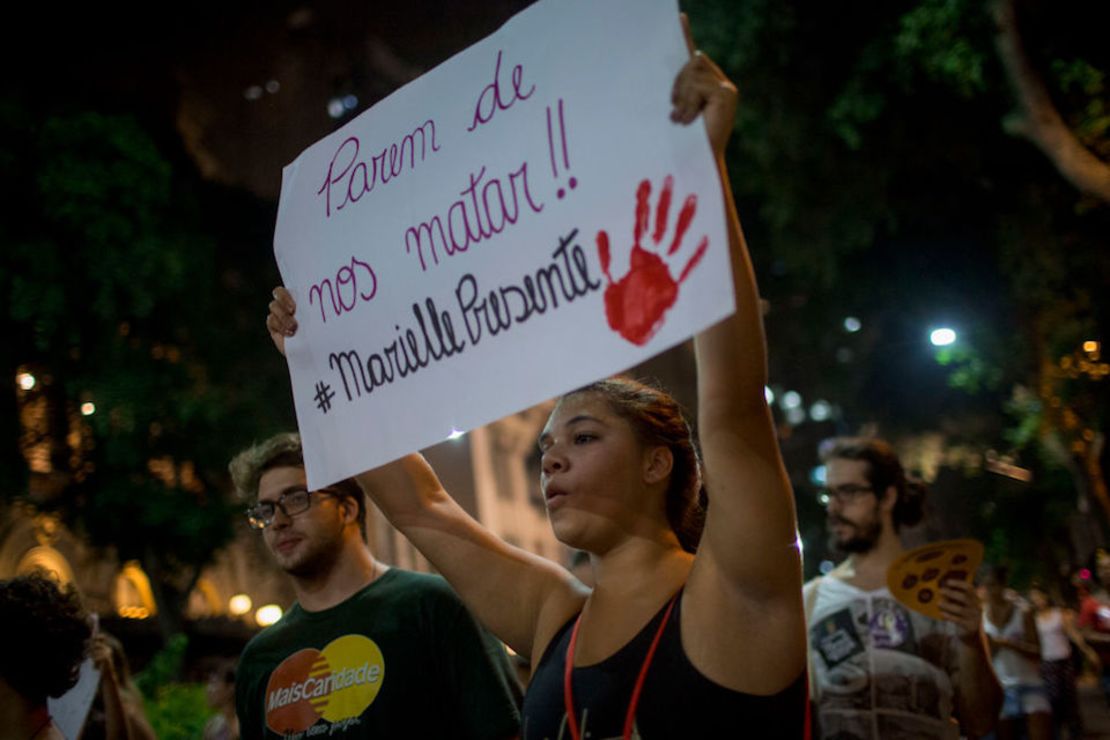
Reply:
x=748, y=569
x=522, y=598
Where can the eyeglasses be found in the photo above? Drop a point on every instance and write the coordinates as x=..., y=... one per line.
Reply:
x=842, y=494
x=291, y=503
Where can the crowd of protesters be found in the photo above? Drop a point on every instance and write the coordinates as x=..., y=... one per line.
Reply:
x=999, y=663
x=685, y=616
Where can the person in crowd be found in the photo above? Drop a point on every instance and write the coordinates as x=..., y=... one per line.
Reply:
x=1094, y=599
x=879, y=669
x=694, y=626
x=45, y=638
x=1058, y=633
x=220, y=694
x=117, y=712
x=368, y=650
x=1094, y=617
x=1016, y=654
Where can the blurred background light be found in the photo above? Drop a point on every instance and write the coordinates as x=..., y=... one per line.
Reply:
x=267, y=615
x=942, y=337
x=239, y=604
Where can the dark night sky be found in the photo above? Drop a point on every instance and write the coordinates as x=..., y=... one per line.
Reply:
x=184, y=70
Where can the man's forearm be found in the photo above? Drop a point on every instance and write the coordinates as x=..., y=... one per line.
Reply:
x=978, y=693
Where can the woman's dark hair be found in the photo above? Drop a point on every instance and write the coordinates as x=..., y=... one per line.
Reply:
x=657, y=419
x=45, y=635
x=884, y=471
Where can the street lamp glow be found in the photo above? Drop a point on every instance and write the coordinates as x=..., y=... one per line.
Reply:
x=796, y=415
x=768, y=394
x=1091, y=347
x=852, y=324
x=820, y=410
x=26, y=381
x=942, y=337
x=267, y=615
x=239, y=604
x=88, y=408
x=791, y=400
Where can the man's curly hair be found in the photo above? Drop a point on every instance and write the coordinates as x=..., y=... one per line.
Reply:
x=45, y=631
x=284, y=451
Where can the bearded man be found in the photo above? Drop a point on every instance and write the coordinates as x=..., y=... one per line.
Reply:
x=878, y=669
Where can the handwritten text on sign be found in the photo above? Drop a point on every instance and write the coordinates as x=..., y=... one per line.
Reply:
x=519, y=221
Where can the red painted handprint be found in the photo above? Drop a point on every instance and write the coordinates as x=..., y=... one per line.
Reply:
x=635, y=305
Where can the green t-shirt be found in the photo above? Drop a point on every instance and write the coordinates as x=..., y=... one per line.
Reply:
x=402, y=658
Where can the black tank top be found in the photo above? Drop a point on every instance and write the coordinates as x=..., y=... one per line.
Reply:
x=677, y=700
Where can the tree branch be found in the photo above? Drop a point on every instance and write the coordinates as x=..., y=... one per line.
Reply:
x=1039, y=120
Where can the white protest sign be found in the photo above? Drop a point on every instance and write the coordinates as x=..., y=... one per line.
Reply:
x=70, y=710
x=520, y=221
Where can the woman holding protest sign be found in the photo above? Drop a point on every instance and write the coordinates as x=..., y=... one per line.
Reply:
x=686, y=633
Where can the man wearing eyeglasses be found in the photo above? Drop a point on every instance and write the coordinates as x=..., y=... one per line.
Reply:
x=877, y=669
x=368, y=651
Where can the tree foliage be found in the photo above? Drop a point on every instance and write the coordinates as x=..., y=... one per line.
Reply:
x=129, y=285
x=177, y=711
x=882, y=175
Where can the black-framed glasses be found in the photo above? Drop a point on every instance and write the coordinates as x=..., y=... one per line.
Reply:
x=291, y=503
x=842, y=494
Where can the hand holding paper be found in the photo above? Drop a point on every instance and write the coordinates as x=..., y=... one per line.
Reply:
x=936, y=580
x=280, y=323
x=441, y=246
x=701, y=87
